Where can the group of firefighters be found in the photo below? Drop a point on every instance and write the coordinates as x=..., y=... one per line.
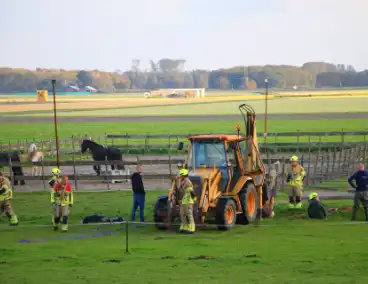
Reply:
x=62, y=196
x=61, y=200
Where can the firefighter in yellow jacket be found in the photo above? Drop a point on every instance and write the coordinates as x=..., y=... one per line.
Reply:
x=56, y=178
x=62, y=200
x=186, y=209
x=295, y=177
x=6, y=195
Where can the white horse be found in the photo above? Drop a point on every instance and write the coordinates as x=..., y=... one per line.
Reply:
x=35, y=157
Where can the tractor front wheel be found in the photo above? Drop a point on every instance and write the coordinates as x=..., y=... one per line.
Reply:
x=226, y=214
x=249, y=203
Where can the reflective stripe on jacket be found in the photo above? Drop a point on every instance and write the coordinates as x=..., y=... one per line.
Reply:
x=5, y=193
x=297, y=175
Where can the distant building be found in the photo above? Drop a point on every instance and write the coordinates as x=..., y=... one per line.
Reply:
x=90, y=89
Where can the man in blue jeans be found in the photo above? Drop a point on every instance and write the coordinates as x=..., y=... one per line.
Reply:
x=361, y=191
x=139, y=195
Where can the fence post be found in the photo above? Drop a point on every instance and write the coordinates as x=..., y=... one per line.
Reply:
x=43, y=174
x=170, y=165
x=322, y=160
x=283, y=174
x=339, y=163
x=106, y=176
x=297, y=141
x=309, y=163
x=365, y=150
x=328, y=163
x=316, y=165
x=333, y=162
x=11, y=170
x=350, y=154
x=74, y=168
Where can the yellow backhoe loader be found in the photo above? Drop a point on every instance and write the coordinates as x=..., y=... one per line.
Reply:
x=227, y=174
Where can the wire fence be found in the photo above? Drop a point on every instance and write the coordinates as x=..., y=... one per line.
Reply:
x=321, y=167
x=167, y=144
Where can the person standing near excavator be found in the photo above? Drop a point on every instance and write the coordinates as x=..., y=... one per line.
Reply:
x=295, y=177
x=187, y=225
x=174, y=194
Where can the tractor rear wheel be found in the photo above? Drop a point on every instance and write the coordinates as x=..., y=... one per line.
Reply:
x=249, y=202
x=226, y=214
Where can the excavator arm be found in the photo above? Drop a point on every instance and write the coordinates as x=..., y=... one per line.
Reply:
x=254, y=164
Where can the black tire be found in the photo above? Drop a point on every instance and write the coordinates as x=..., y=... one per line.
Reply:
x=226, y=214
x=247, y=196
x=160, y=205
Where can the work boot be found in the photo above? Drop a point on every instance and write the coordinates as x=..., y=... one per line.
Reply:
x=191, y=228
x=354, y=214
x=64, y=228
x=13, y=220
x=298, y=205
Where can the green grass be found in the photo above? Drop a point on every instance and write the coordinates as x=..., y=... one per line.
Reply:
x=45, y=131
x=275, y=106
x=285, y=249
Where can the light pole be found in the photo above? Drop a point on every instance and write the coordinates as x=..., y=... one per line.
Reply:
x=266, y=105
x=55, y=123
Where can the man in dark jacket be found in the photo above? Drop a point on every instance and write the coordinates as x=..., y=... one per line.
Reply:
x=361, y=191
x=139, y=195
x=316, y=210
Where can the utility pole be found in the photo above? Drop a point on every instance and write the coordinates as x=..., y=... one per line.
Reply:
x=265, y=116
x=55, y=123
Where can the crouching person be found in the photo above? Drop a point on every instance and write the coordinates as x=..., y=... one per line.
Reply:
x=62, y=201
x=6, y=195
x=316, y=210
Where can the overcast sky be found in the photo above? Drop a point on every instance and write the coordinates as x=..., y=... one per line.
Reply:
x=208, y=34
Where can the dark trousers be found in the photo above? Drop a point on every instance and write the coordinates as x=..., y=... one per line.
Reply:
x=138, y=201
x=361, y=197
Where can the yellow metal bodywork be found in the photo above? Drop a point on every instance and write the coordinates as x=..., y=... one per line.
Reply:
x=250, y=167
x=42, y=95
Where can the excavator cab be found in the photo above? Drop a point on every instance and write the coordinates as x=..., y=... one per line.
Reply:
x=227, y=175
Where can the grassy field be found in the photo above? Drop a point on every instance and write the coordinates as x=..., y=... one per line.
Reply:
x=45, y=131
x=285, y=249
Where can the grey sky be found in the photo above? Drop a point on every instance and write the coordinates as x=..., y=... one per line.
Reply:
x=209, y=34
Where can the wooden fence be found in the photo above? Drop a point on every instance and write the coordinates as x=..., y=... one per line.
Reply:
x=320, y=166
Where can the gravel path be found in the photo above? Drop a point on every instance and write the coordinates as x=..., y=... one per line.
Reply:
x=315, y=116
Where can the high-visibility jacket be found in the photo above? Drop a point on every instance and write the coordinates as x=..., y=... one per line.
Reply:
x=5, y=181
x=296, y=175
x=6, y=193
x=189, y=197
x=58, y=191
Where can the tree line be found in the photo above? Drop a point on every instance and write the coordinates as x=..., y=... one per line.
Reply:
x=170, y=73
